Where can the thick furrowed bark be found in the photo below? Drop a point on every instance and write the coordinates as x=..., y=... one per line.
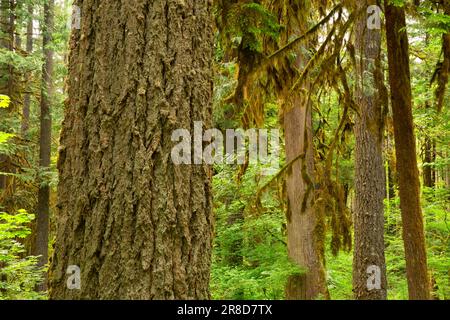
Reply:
x=370, y=188
x=138, y=226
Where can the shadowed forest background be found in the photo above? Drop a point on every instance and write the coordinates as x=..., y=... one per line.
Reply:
x=91, y=91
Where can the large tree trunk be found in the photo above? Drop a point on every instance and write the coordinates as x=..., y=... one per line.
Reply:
x=45, y=143
x=370, y=183
x=409, y=184
x=137, y=226
x=304, y=221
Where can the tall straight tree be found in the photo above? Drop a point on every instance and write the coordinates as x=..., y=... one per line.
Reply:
x=6, y=42
x=370, y=188
x=18, y=4
x=430, y=174
x=303, y=219
x=405, y=147
x=45, y=144
x=9, y=81
x=444, y=71
x=27, y=98
x=135, y=224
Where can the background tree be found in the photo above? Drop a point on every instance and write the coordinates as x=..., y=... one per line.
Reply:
x=405, y=147
x=370, y=185
x=29, y=49
x=43, y=205
x=304, y=221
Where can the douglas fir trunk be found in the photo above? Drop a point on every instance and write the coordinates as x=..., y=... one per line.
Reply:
x=136, y=225
x=369, y=260
x=304, y=223
x=303, y=220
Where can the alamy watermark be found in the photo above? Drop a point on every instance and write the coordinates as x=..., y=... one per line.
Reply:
x=235, y=146
x=74, y=279
x=374, y=279
x=374, y=17
x=75, y=21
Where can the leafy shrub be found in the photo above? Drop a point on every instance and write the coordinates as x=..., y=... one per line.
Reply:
x=19, y=275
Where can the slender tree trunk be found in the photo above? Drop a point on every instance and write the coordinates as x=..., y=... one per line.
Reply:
x=4, y=7
x=27, y=98
x=444, y=72
x=18, y=27
x=43, y=205
x=447, y=174
x=434, y=172
x=391, y=166
x=6, y=81
x=370, y=181
x=11, y=77
x=391, y=182
x=6, y=42
x=137, y=226
x=14, y=27
x=428, y=172
x=4, y=24
x=409, y=184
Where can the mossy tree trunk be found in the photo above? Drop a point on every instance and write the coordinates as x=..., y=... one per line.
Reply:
x=305, y=225
x=370, y=181
x=136, y=225
x=405, y=145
